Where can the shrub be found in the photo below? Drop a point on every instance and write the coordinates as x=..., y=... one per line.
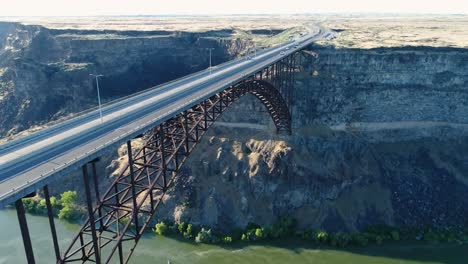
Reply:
x=189, y=231
x=161, y=228
x=70, y=213
x=54, y=203
x=29, y=205
x=182, y=227
x=259, y=234
x=43, y=203
x=68, y=198
x=321, y=236
x=205, y=236
x=227, y=240
x=249, y=235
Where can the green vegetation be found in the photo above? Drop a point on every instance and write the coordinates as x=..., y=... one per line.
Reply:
x=206, y=236
x=286, y=228
x=65, y=208
x=161, y=229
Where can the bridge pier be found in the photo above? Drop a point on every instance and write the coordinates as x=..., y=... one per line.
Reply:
x=53, y=231
x=96, y=192
x=24, y=231
x=25, y=234
x=132, y=184
x=91, y=214
x=126, y=208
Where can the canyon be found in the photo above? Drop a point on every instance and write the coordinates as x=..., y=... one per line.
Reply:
x=379, y=131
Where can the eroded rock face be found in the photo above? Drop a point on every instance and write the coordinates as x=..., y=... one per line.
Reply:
x=380, y=136
x=44, y=73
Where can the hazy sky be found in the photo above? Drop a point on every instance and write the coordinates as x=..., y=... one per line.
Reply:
x=187, y=7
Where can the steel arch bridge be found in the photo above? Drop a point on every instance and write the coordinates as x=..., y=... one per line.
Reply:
x=118, y=219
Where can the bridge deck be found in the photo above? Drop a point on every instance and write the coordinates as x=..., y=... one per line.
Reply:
x=31, y=162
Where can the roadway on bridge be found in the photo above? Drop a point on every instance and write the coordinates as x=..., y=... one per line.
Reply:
x=29, y=162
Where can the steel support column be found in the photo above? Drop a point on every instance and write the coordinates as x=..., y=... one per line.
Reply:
x=96, y=192
x=153, y=168
x=132, y=183
x=53, y=231
x=91, y=215
x=24, y=231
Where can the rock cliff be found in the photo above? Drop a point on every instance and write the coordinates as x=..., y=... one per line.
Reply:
x=380, y=136
x=44, y=73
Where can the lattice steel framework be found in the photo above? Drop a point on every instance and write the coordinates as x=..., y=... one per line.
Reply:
x=121, y=215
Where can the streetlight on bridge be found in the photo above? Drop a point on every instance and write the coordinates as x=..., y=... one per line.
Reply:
x=98, y=93
x=210, y=57
x=255, y=50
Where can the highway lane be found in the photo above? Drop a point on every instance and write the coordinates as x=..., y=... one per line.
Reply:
x=115, y=105
x=151, y=103
x=56, y=154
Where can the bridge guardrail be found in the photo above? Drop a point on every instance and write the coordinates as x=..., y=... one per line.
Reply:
x=149, y=122
x=82, y=114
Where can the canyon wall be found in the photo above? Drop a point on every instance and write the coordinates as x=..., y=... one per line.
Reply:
x=44, y=73
x=380, y=137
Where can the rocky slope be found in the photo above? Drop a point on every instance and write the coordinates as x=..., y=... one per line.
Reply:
x=380, y=136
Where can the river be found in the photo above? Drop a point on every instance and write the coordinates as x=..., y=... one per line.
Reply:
x=155, y=249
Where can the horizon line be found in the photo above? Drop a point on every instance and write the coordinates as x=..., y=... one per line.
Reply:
x=249, y=14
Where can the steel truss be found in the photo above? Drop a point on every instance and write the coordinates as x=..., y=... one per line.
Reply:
x=120, y=216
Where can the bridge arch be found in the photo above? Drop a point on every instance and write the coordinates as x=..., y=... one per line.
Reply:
x=126, y=208
x=271, y=98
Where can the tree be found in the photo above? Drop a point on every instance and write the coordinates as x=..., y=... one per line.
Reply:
x=68, y=198
x=29, y=205
x=70, y=213
x=161, y=228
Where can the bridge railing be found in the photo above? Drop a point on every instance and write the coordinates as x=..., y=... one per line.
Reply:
x=97, y=149
x=75, y=118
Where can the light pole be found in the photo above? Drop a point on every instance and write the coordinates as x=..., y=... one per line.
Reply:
x=255, y=50
x=210, y=58
x=98, y=94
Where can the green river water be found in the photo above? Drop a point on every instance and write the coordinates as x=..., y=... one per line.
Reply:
x=154, y=249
